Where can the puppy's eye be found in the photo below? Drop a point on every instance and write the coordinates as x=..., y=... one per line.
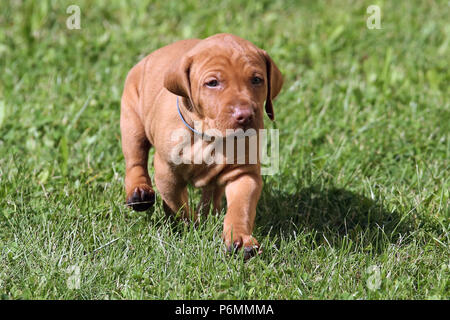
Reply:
x=256, y=80
x=212, y=83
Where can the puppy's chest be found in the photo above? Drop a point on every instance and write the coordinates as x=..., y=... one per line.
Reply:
x=203, y=163
x=198, y=162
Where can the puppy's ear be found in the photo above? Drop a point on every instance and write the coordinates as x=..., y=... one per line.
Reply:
x=274, y=84
x=177, y=79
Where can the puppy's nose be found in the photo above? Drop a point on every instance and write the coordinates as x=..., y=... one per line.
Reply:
x=243, y=116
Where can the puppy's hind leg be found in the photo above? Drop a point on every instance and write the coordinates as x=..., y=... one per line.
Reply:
x=135, y=147
x=210, y=195
x=173, y=190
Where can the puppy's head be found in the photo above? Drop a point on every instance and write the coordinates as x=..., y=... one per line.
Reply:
x=226, y=80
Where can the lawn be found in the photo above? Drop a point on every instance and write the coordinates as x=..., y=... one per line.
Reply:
x=359, y=208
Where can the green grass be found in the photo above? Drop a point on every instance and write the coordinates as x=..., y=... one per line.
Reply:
x=362, y=195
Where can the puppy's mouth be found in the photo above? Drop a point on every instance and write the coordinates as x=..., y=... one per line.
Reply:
x=245, y=126
x=229, y=129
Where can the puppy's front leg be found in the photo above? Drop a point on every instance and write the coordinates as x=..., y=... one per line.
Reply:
x=242, y=197
x=135, y=146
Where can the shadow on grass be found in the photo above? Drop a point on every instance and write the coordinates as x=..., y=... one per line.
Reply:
x=330, y=215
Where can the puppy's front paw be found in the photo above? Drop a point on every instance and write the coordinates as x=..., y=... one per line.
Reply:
x=246, y=242
x=141, y=198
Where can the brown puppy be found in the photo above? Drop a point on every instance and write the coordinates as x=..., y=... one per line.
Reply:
x=220, y=82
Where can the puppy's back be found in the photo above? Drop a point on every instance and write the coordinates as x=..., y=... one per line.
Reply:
x=146, y=78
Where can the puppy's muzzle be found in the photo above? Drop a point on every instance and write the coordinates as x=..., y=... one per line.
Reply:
x=243, y=116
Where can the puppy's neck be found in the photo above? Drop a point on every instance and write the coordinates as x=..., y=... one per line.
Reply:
x=188, y=111
x=187, y=104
